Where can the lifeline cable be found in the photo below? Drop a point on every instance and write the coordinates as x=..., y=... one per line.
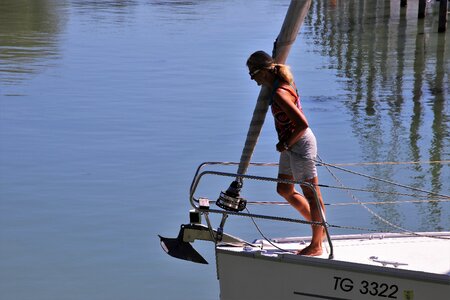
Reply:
x=370, y=210
x=288, y=219
x=379, y=192
x=393, y=163
x=264, y=237
x=281, y=203
x=378, y=179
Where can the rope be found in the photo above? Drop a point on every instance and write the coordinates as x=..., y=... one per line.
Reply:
x=393, y=163
x=328, y=225
x=370, y=210
x=379, y=179
x=315, y=223
x=263, y=236
x=283, y=203
x=377, y=191
x=385, y=231
x=274, y=164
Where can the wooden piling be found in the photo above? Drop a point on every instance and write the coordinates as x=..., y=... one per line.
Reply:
x=422, y=8
x=443, y=6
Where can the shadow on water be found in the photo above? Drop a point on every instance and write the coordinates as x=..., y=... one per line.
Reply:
x=394, y=69
x=29, y=37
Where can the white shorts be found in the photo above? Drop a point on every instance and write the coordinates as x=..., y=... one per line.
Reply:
x=299, y=160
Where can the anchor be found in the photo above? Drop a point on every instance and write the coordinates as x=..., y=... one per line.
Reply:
x=180, y=246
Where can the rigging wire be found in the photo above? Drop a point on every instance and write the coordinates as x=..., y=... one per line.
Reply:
x=377, y=178
x=284, y=203
x=392, y=163
x=327, y=166
x=262, y=234
x=381, y=192
x=357, y=201
x=274, y=164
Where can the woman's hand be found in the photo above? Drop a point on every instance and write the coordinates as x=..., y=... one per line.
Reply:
x=282, y=146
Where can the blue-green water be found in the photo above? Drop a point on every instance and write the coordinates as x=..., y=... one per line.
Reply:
x=107, y=108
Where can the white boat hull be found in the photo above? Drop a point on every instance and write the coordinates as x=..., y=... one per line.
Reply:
x=271, y=275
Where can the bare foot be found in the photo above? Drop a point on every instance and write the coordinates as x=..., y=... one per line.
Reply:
x=311, y=251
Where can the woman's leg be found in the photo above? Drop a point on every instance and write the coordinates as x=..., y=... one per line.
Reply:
x=315, y=248
x=294, y=164
x=288, y=192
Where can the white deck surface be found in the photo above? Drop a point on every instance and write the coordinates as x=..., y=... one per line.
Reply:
x=423, y=254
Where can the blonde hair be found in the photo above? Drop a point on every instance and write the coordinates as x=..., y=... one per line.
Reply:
x=262, y=60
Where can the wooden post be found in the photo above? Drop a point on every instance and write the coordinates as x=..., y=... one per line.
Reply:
x=294, y=18
x=422, y=8
x=443, y=6
x=403, y=3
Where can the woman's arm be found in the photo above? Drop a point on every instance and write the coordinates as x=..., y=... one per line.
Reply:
x=284, y=100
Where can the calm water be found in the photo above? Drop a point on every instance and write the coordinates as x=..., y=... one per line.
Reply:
x=107, y=108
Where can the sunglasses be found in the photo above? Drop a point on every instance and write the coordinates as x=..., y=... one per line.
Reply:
x=252, y=74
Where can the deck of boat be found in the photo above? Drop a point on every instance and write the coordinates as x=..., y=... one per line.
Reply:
x=424, y=252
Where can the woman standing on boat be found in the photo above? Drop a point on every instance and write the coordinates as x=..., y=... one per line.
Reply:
x=297, y=143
